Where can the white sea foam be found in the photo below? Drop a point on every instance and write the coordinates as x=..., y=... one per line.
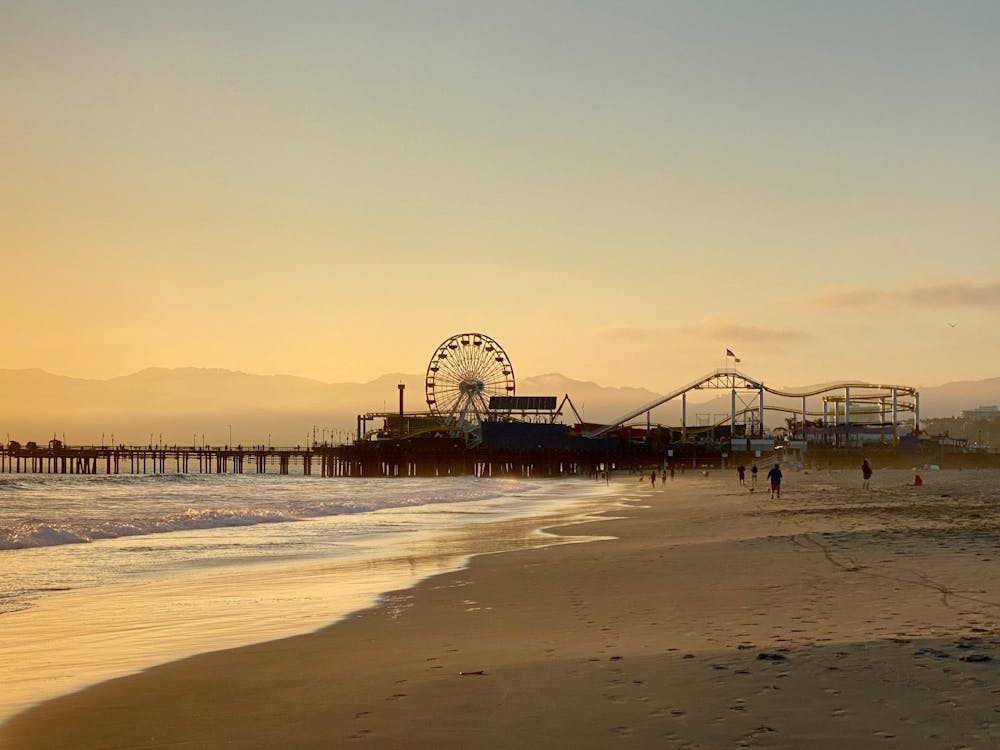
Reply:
x=45, y=510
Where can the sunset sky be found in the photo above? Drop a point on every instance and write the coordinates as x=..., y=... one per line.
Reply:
x=616, y=191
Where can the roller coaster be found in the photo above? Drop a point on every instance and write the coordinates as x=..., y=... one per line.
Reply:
x=846, y=405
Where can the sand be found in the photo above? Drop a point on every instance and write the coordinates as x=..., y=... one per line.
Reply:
x=715, y=618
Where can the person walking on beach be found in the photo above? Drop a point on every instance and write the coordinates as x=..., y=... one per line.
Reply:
x=753, y=475
x=741, y=472
x=774, y=477
x=866, y=472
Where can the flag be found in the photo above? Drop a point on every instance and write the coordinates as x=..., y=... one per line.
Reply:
x=729, y=353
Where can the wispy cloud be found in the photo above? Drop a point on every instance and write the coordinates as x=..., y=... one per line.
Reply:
x=942, y=296
x=725, y=330
x=734, y=332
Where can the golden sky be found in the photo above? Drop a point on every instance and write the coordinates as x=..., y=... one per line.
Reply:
x=615, y=191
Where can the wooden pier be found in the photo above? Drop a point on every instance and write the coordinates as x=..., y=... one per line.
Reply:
x=151, y=459
x=389, y=458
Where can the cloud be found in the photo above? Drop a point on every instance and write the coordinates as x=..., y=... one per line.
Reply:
x=726, y=331
x=734, y=333
x=943, y=296
x=859, y=299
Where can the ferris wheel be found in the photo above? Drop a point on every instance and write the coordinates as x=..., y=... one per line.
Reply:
x=464, y=371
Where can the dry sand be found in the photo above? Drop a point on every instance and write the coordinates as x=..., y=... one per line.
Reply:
x=716, y=618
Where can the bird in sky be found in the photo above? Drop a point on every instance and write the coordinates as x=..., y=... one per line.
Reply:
x=952, y=324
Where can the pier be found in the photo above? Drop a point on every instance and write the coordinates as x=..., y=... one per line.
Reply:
x=443, y=457
x=150, y=459
x=386, y=458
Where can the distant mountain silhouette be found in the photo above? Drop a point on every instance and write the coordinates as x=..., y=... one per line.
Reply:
x=950, y=399
x=184, y=404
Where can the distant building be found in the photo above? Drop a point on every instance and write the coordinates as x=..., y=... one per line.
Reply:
x=981, y=412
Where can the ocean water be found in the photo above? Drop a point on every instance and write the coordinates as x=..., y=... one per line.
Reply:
x=104, y=575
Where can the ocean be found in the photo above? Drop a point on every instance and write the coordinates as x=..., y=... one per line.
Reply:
x=104, y=575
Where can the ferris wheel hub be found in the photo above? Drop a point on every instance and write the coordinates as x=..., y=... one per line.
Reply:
x=472, y=386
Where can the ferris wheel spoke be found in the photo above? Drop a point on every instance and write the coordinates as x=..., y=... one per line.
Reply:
x=482, y=404
x=452, y=400
x=463, y=413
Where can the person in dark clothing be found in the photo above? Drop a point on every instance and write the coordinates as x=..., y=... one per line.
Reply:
x=866, y=472
x=774, y=477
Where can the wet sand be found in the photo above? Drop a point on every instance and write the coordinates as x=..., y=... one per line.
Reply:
x=716, y=618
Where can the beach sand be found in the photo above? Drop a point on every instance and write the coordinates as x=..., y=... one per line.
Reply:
x=716, y=618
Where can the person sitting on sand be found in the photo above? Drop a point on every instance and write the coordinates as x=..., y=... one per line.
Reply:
x=866, y=472
x=774, y=476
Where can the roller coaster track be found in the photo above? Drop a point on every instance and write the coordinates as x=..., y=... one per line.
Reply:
x=731, y=379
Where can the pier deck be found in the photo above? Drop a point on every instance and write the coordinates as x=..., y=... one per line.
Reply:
x=425, y=458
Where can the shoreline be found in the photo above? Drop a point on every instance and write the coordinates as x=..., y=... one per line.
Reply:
x=711, y=618
x=78, y=638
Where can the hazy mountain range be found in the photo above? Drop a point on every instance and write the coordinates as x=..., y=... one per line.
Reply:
x=188, y=405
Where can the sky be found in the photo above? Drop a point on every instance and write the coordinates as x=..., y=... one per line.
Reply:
x=615, y=191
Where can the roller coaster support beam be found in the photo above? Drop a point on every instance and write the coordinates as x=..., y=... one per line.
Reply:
x=847, y=417
x=760, y=403
x=684, y=417
x=732, y=416
x=803, y=418
x=895, y=417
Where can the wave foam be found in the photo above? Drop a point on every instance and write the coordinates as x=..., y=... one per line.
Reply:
x=151, y=514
